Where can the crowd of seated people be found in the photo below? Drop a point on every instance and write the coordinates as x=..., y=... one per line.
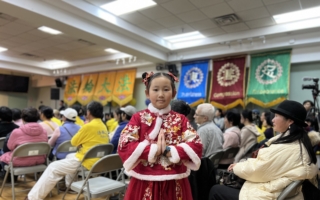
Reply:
x=281, y=131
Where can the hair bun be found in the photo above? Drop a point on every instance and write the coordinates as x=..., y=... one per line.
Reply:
x=144, y=75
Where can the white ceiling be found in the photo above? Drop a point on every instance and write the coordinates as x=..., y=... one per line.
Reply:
x=141, y=33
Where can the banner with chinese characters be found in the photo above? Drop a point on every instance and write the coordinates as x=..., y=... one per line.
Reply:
x=71, y=90
x=227, y=82
x=193, y=82
x=88, y=83
x=104, y=87
x=122, y=92
x=269, y=78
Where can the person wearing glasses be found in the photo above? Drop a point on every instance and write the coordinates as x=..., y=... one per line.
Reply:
x=210, y=134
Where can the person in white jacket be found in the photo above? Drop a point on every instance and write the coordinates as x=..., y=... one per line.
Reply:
x=288, y=157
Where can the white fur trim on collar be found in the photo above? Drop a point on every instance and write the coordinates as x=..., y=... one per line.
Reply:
x=160, y=112
x=195, y=164
x=132, y=161
x=158, y=177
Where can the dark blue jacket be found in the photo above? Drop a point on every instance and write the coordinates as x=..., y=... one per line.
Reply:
x=116, y=136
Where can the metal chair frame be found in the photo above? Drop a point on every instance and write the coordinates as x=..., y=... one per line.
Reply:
x=290, y=190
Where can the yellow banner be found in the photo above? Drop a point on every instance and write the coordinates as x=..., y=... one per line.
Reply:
x=71, y=90
x=104, y=87
x=86, y=91
x=123, y=87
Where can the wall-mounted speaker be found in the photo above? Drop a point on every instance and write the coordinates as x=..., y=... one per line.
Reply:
x=173, y=69
x=58, y=82
x=55, y=94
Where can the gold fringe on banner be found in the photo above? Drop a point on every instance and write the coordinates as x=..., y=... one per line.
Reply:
x=265, y=105
x=71, y=90
x=229, y=106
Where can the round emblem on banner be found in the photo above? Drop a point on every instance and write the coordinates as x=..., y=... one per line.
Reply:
x=269, y=72
x=193, y=78
x=228, y=74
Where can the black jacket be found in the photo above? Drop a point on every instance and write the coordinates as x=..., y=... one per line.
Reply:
x=7, y=127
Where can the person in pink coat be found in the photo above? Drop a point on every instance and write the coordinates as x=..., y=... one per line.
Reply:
x=30, y=131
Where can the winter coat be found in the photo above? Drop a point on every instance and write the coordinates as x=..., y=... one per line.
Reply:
x=30, y=132
x=249, y=134
x=232, y=139
x=274, y=168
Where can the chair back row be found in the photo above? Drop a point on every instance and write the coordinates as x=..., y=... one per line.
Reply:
x=223, y=154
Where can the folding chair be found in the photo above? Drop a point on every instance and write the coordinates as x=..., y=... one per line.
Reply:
x=248, y=152
x=291, y=190
x=26, y=150
x=101, y=186
x=2, y=139
x=230, y=153
x=97, y=151
x=216, y=157
x=64, y=147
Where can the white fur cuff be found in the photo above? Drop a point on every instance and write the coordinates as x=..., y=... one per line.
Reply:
x=152, y=153
x=175, y=158
x=195, y=164
x=132, y=161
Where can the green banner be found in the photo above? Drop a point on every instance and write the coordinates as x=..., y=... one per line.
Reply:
x=269, y=78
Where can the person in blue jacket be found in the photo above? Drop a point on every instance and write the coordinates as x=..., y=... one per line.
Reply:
x=125, y=115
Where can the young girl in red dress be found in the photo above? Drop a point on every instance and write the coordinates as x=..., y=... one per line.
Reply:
x=158, y=146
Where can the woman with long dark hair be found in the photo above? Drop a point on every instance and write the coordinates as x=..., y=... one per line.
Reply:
x=288, y=157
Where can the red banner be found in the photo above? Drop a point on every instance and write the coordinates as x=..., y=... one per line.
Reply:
x=227, y=83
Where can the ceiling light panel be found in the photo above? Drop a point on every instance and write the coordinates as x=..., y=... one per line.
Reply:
x=121, y=7
x=111, y=50
x=297, y=15
x=185, y=37
x=49, y=30
x=3, y=49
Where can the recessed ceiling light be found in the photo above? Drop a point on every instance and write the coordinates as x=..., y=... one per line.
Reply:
x=49, y=30
x=3, y=49
x=121, y=7
x=185, y=37
x=297, y=15
x=111, y=50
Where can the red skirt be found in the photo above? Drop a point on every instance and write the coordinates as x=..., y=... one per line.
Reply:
x=158, y=190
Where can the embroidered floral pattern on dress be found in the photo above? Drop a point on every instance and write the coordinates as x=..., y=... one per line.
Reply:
x=146, y=118
x=178, y=191
x=147, y=193
x=129, y=134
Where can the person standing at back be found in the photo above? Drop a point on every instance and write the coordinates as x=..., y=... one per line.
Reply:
x=158, y=146
x=90, y=135
x=64, y=132
x=210, y=134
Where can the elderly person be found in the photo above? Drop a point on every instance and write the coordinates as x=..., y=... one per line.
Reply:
x=64, y=132
x=211, y=136
x=249, y=134
x=46, y=113
x=289, y=157
x=125, y=115
x=31, y=131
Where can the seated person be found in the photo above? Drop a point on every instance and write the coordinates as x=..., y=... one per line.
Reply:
x=6, y=124
x=46, y=113
x=231, y=135
x=31, y=131
x=125, y=115
x=79, y=110
x=249, y=134
x=267, y=123
x=64, y=132
x=181, y=107
x=89, y=135
x=16, y=116
x=56, y=117
x=289, y=157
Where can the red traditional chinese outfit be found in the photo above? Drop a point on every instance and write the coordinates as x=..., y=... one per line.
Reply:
x=159, y=178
